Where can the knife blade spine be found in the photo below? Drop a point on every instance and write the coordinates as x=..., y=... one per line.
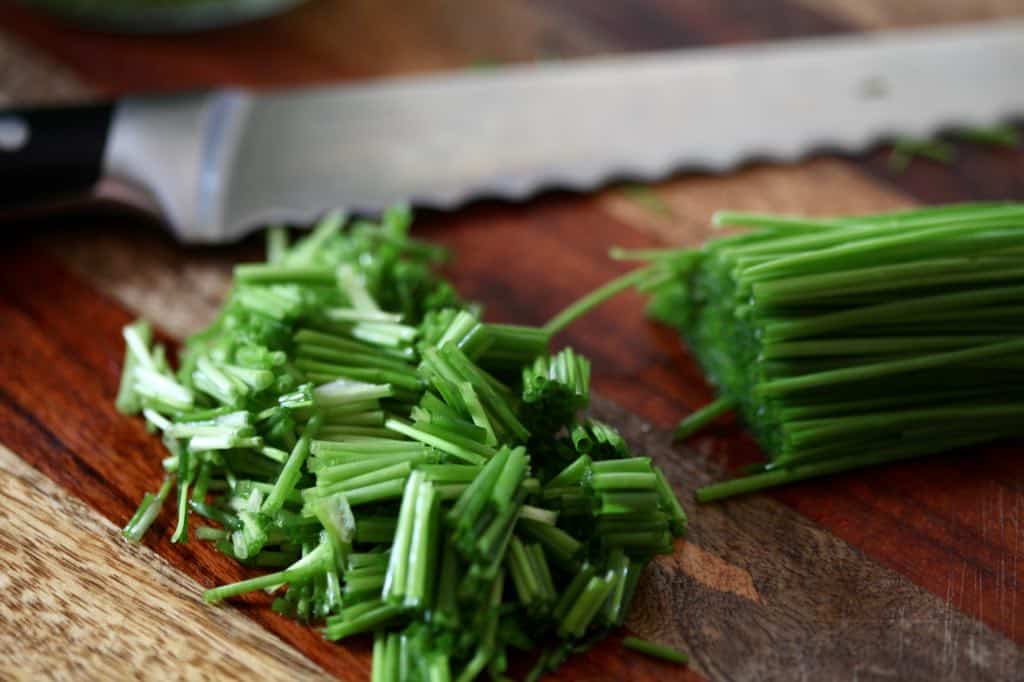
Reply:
x=442, y=140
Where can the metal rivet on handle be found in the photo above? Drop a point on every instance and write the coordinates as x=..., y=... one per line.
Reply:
x=14, y=133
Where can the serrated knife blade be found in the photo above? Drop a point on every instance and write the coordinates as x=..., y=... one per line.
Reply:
x=218, y=164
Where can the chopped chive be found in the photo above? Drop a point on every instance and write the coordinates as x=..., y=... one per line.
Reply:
x=423, y=549
x=581, y=613
x=594, y=299
x=292, y=469
x=353, y=471
x=703, y=417
x=351, y=425
x=399, y=470
x=300, y=570
x=905, y=149
x=398, y=568
x=277, y=243
x=364, y=623
x=992, y=136
x=623, y=481
x=186, y=472
x=563, y=547
x=375, y=492
x=655, y=650
x=462, y=448
x=147, y=512
x=538, y=514
x=670, y=503
x=209, y=533
x=629, y=465
x=648, y=199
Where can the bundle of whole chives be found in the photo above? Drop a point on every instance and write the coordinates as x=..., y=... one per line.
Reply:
x=402, y=467
x=854, y=341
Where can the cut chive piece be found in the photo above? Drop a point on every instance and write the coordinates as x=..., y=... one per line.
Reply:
x=302, y=569
x=654, y=650
x=703, y=417
x=596, y=298
x=398, y=568
x=147, y=512
x=993, y=136
x=461, y=448
x=292, y=469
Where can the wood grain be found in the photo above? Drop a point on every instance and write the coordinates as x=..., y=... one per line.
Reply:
x=56, y=413
x=28, y=75
x=146, y=271
x=904, y=572
x=792, y=601
x=77, y=602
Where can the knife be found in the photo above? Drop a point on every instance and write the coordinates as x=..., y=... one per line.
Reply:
x=217, y=164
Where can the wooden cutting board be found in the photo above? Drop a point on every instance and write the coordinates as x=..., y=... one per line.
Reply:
x=913, y=571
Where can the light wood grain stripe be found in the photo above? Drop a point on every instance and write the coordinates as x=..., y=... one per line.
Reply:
x=181, y=288
x=29, y=76
x=710, y=570
x=77, y=602
x=877, y=14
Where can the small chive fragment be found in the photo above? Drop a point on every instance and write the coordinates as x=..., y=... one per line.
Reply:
x=1006, y=136
x=703, y=417
x=654, y=650
x=904, y=150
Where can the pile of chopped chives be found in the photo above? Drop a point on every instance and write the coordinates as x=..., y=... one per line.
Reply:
x=854, y=341
x=399, y=466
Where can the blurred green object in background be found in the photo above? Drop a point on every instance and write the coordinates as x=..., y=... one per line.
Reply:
x=160, y=16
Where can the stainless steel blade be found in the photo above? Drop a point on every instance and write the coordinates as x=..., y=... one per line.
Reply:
x=222, y=163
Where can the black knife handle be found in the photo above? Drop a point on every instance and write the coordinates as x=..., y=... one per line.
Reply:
x=51, y=151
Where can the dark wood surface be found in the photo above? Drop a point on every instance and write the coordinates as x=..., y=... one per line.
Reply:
x=912, y=571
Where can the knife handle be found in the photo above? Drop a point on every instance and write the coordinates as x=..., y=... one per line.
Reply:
x=51, y=151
